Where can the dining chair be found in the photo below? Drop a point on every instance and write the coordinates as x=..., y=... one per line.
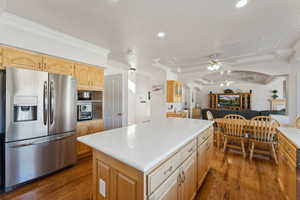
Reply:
x=209, y=116
x=298, y=122
x=264, y=132
x=234, y=116
x=234, y=131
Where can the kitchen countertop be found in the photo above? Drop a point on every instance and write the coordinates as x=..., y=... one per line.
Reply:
x=292, y=133
x=145, y=145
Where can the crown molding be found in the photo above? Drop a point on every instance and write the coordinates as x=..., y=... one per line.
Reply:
x=23, y=24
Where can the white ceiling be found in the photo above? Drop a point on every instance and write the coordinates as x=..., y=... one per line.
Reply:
x=195, y=28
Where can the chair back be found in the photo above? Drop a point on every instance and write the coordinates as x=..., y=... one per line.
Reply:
x=264, y=128
x=298, y=122
x=209, y=116
x=234, y=127
x=234, y=116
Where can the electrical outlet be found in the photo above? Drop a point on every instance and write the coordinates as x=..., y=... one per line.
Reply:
x=102, y=187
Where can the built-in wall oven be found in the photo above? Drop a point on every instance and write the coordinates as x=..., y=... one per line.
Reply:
x=84, y=111
x=89, y=105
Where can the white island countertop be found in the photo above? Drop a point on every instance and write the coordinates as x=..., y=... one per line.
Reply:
x=292, y=133
x=144, y=146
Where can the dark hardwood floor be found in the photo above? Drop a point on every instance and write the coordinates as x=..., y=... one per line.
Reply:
x=231, y=178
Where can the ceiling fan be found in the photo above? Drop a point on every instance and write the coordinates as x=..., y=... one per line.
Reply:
x=214, y=63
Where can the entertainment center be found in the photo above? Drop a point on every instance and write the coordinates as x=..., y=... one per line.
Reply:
x=232, y=101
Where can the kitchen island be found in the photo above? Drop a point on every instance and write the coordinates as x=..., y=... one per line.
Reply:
x=163, y=159
x=289, y=161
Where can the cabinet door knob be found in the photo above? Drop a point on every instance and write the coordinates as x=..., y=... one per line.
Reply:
x=168, y=170
x=183, y=176
x=179, y=179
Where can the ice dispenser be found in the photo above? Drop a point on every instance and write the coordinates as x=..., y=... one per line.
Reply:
x=25, y=109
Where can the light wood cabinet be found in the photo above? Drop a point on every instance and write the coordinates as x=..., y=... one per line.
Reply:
x=205, y=153
x=117, y=185
x=86, y=128
x=96, y=76
x=174, y=91
x=177, y=115
x=89, y=77
x=82, y=75
x=82, y=149
x=188, y=187
x=287, y=167
x=58, y=66
x=118, y=182
x=201, y=162
x=1, y=58
x=103, y=173
x=22, y=59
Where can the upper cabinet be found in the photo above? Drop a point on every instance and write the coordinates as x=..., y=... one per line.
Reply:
x=23, y=59
x=58, y=66
x=1, y=60
x=97, y=78
x=82, y=75
x=89, y=77
x=174, y=91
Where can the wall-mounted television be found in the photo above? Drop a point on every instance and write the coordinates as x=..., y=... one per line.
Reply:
x=229, y=100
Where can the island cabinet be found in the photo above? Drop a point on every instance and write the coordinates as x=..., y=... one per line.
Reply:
x=176, y=178
x=89, y=77
x=205, y=153
x=287, y=166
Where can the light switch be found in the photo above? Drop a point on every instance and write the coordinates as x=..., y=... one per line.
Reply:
x=102, y=186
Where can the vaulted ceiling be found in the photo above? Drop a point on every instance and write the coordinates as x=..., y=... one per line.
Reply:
x=263, y=31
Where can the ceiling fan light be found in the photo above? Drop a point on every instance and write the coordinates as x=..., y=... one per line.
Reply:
x=241, y=3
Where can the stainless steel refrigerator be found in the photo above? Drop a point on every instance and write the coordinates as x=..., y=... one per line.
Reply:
x=40, y=124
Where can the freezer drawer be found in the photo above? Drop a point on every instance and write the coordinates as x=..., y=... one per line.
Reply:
x=31, y=159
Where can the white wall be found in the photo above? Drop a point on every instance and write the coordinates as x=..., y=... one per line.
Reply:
x=131, y=98
x=294, y=93
x=260, y=93
x=19, y=32
x=2, y=6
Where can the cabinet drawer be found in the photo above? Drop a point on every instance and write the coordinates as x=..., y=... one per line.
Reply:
x=167, y=187
x=159, y=175
x=203, y=136
x=186, y=151
x=288, y=147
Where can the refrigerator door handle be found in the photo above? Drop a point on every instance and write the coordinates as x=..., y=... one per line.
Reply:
x=52, y=102
x=45, y=103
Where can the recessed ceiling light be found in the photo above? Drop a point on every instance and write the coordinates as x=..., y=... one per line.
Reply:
x=241, y=3
x=161, y=34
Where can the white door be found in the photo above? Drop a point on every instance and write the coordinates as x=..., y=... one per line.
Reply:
x=143, y=100
x=113, y=100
